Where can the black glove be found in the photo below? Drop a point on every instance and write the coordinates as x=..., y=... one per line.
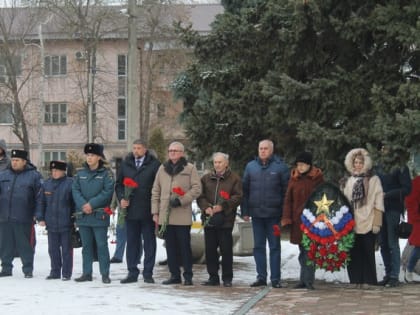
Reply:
x=175, y=202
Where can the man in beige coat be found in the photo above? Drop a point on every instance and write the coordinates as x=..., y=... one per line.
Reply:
x=176, y=185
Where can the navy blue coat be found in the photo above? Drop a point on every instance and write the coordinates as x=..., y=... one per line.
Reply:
x=396, y=186
x=264, y=188
x=20, y=194
x=95, y=187
x=57, y=204
x=140, y=205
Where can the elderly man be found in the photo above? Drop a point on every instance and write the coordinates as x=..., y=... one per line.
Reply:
x=140, y=166
x=20, y=203
x=176, y=185
x=265, y=183
x=221, y=195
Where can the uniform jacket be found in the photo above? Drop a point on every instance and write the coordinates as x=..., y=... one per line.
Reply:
x=95, y=187
x=364, y=215
x=140, y=204
x=264, y=187
x=20, y=194
x=396, y=186
x=412, y=202
x=186, y=177
x=57, y=204
x=211, y=186
x=298, y=191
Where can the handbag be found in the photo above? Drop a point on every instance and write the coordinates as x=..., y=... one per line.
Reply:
x=404, y=229
x=76, y=241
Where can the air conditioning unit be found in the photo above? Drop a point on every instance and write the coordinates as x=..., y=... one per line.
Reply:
x=80, y=55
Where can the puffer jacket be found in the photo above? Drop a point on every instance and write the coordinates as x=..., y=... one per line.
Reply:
x=20, y=194
x=212, y=185
x=95, y=187
x=140, y=197
x=184, y=176
x=57, y=204
x=264, y=188
x=298, y=191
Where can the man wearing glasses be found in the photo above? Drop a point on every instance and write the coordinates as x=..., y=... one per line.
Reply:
x=176, y=185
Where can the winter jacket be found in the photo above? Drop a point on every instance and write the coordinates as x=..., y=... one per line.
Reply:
x=95, y=187
x=412, y=202
x=368, y=214
x=20, y=194
x=140, y=197
x=5, y=161
x=264, y=187
x=396, y=186
x=57, y=204
x=212, y=185
x=299, y=189
x=185, y=176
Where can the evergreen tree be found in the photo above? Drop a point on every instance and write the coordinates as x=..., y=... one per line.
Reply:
x=324, y=76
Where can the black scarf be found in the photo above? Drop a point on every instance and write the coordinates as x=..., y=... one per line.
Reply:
x=360, y=189
x=175, y=168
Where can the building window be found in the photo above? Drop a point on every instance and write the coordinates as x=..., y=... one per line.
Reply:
x=122, y=98
x=5, y=70
x=161, y=108
x=6, y=113
x=55, y=113
x=55, y=65
x=53, y=156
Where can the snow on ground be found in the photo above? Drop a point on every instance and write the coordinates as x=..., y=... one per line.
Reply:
x=39, y=296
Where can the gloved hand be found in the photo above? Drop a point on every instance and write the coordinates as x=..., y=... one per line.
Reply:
x=376, y=229
x=175, y=202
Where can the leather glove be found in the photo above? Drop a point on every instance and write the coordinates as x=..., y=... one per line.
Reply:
x=376, y=229
x=174, y=203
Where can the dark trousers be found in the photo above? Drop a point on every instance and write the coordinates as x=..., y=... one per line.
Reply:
x=178, y=248
x=20, y=238
x=91, y=236
x=362, y=266
x=221, y=239
x=307, y=272
x=136, y=231
x=61, y=253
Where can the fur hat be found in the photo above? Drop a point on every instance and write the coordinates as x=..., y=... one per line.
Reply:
x=58, y=165
x=21, y=154
x=95, y=148
x=304, y=157
x=348, y=161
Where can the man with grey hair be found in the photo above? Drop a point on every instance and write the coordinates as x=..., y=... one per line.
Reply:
x=265, y=183
x=219, y=199
x=176, y=185
x=140, y=166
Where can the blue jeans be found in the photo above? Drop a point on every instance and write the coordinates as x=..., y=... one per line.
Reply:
x=412, y=260
x=390, y=246
x=263, y=232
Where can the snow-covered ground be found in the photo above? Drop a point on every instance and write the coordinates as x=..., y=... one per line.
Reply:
x=40, y=296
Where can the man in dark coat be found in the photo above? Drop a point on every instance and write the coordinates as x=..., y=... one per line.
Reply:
x=141, y=167
x=20, y=203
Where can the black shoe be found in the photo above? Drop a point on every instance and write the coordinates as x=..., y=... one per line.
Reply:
x=129, y=279
x=188, y=282
x=5, y=274
x=84, y=278
x=276, y=284
x=300, y=285
x=115, y=260
x=172, y=280
x=310, y=286
x=227, y=284
x=66, y=278
x=148, y=280
x=29, y=275
x=259, y=283
x=52, y=277
x=211, y=282
x=163, y=262
x=106, y=279
x=384, y=281
x=392, y=283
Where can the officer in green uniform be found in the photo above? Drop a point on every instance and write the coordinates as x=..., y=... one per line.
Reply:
x=92, y=190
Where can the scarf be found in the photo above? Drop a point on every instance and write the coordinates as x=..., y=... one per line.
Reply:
x=360, y=190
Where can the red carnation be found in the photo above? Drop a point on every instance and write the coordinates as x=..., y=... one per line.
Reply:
x=333, y=248
x=342, y=255
x=276, y=230
x=178, y=190
x=323, y=251
x=108, y=211
x=225, y=195
x=129, y=182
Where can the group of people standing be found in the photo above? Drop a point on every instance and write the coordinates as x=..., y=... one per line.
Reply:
x=269, y=194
